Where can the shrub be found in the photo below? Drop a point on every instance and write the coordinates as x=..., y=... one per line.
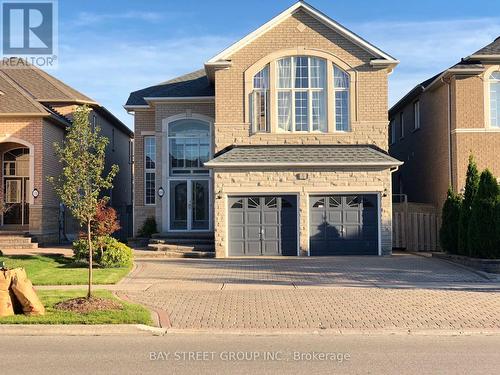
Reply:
x=448, y=234
x=471, y=185
x=116, y=254
x=483, y=228
x=148, y=228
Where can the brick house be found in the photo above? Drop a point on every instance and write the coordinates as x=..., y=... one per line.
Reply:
x=436, y=126
x=277, y=147
x=35, y=109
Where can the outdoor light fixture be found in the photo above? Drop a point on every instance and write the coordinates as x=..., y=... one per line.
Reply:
x=161, y=192
x=35, y=193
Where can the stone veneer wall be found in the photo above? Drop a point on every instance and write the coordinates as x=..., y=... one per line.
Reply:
x=318, y=181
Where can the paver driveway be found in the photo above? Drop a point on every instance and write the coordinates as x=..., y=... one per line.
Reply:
x=401, y=292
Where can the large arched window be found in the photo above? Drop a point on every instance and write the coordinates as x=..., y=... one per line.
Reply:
x=189, y=146
x=494, y=83
x=300, y=94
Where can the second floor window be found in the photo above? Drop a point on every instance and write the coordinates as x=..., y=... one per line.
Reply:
x=259, y=101
x=392, y=131
x=301, y=94
x=495, y=99
x=401, y=126
x=189, y=146
x=416, y=115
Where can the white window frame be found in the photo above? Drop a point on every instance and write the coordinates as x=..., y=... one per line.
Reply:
x=490, y=82
x=401, y=125
x=265, y=92
x=293, y=90
x=416, y=115
x=149, y=170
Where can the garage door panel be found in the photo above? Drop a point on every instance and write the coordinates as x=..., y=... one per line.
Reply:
x=344, y=226
x=264, y=225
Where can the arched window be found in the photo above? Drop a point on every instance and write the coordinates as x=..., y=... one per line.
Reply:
x=494, y=82
x=189, y=146
x=301, y=94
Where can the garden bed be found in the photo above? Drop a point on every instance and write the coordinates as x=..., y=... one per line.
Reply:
x=485, y=265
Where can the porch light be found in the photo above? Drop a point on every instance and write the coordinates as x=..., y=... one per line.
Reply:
x=161, y=192
x=35, y=193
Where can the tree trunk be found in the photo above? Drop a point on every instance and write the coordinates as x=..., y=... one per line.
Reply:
x=89, y=240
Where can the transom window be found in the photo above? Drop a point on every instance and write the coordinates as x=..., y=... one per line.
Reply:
x=189, y=146
x=301, y=96
x=494, y=81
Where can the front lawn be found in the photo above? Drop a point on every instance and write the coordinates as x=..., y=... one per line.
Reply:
x=60, y=270
x=130, y=314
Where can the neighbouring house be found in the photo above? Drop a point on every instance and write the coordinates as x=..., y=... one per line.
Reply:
x=437, y=125
x=277, y=147
x=35, y=110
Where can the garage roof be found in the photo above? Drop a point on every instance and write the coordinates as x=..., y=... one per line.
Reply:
x=302, y=156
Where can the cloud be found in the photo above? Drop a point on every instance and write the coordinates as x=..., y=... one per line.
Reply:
x=428, y=47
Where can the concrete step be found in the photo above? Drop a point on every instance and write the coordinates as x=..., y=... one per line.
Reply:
x=189, y=247
x=19, y=246
x=184, y=235
x=173, y=254
x=181, y=241
x=12, y=239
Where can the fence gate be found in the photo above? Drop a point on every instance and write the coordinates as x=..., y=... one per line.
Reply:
x=415, y=226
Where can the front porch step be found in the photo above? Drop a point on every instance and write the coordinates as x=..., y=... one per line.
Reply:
x=16, y=240
x=11, y=239
x=187, y=247
x=181, y=241
x=7, y=246
x=184, y=235
x=173, y=254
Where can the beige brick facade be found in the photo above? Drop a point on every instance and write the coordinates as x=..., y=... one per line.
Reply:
x=436, y=155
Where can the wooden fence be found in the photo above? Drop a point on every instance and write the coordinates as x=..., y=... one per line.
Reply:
x=415, y=226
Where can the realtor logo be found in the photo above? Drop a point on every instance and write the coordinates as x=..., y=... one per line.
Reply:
x=29, y=30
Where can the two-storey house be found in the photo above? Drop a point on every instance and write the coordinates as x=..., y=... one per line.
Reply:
x=277, y=147
x=437, y=125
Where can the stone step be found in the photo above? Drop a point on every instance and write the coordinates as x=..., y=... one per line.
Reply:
x=19, y=246
x=181, y=248
x=174, y=254
x=184, y=235
x=11, y=239
x=182, y=241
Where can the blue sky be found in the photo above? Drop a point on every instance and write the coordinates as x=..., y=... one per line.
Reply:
x=109, y=48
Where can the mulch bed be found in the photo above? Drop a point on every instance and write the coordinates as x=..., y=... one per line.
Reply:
x=86, y=305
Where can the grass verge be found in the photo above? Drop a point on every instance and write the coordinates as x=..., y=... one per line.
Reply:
x=130, y=314
x=60, y=270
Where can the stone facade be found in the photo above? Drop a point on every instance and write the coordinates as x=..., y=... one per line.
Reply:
x=318, y=181
x=436, y=155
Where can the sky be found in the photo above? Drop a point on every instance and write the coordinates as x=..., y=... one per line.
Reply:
x=109, y=48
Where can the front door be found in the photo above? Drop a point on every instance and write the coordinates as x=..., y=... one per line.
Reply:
x=15, y=187
x=189, y=205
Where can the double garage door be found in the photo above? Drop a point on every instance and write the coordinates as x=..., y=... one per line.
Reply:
x=338, y=225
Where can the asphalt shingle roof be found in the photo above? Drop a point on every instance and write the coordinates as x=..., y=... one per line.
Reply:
x=189, y=85
x=302, y=155
x=491, y=49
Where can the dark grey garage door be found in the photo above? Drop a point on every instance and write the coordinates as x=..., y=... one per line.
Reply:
x=343, y=225
x=262, y=225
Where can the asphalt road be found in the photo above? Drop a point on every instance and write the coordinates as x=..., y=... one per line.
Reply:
x=235, y=354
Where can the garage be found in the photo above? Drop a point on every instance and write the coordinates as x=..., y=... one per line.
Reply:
x=343, y=225
x=262, y=225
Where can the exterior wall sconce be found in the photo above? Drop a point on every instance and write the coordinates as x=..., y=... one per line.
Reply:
x=161, y=192
x=35, y=193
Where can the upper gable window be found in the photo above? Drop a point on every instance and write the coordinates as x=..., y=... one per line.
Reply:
x=259, y=101
x=341, y=87
x=301, y=94
x=494, y=82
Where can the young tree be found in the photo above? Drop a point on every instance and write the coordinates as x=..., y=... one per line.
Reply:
x=483, y=231
x=448, y=234
x=82, y=181
x=471, y=184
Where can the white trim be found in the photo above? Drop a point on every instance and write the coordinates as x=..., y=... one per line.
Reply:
x=476, y=130
x=225, y=54
x=146, y=133
x=180, y=99
x=132, y=107
x=211, y=164
x=483, y=57
x=487, y=98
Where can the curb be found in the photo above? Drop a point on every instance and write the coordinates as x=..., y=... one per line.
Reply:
x=79, y=330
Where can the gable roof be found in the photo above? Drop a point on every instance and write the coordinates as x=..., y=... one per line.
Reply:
x=14, y=100
x=327, y=21
x=194, y=84
x=491, y=49
x=302, y=156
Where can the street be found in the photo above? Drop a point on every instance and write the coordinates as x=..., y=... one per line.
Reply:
x=239, y=354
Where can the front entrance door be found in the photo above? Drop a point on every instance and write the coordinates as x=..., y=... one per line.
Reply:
x=189, y=205
x=15, y=187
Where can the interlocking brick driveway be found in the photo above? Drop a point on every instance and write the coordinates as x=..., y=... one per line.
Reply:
x=400, y=292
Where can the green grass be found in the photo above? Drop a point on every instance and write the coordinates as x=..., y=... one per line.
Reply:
x=60, y=270
x=130, y=314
